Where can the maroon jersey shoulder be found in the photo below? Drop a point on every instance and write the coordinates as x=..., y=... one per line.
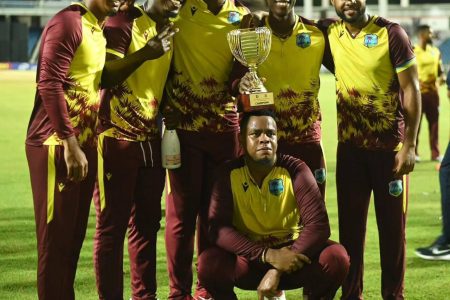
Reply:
x=400, y=48
x=118, y=29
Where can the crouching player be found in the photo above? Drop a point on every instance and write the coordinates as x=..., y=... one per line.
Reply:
x=269, y=223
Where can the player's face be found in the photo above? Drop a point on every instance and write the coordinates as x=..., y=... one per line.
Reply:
x=102, y=8
x=260, y=139
x=427, y=36
x=126, y=4
x=280, y=8
x=350, y=11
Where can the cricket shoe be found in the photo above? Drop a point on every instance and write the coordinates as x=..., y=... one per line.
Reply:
x=202, y=294
x=434, y=252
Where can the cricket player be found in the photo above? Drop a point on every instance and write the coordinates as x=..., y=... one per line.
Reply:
x=431, y=76
x=130, y=176
x=378, y=111
x=269, y=223
x=291, y=73
x=202, y=110
x=61, y=139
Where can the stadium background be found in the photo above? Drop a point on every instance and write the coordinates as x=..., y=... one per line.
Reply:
x=21, y=23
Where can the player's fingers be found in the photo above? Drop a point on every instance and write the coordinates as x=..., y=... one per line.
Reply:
x=172, y=32
x=69, y=172
x=164, y=30
x=244, y=84
x=244, y=89
x=397, y=171
x=76, y=173
x=396, y=166
x=303, y=258
x=260, y=295
x=176, y=3
x=84, y=170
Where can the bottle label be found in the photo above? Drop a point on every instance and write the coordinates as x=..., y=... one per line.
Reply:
x=173, y=159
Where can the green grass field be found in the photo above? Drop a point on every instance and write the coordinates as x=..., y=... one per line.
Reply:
x=424, y=280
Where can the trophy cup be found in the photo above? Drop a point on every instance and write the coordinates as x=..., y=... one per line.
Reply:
x=251, y=47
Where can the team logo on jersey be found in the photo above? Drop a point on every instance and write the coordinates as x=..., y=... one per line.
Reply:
x=108, y=176
x=234, y=17
x=370, y=40
x=193, y=10
x=303, y=40
x=276, y=186
x=245, y=186
x=395, y=188
x=320, y=175
x=61, y=186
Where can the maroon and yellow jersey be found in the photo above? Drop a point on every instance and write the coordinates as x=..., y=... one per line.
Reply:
x=292, y=74
x=287, y=208
x=369, y=103
x=129, y=110
x=202, y=63
x=71, y=60
x=428, y=67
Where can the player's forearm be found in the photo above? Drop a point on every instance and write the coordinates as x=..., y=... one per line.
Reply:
x=412, y=108
x=231, y=240
x=314, y=217
x=312, y=238
x=55, y=105
x=412, y=118
x=117, y=71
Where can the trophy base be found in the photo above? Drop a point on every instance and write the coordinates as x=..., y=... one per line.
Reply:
x=256, y=101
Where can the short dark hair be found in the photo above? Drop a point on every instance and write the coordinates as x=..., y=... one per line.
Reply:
x=261, y=112
x=423, y=27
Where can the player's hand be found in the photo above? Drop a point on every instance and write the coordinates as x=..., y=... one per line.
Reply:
x=404, y=161
x=286, y=260
x=268, y=286
x=171, y=116
x=162, y=42
x=76, y=162
x=173, y=5
x=247, y=83
x=253, y=19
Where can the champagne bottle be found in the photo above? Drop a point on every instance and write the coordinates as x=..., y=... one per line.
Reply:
x=170, y=149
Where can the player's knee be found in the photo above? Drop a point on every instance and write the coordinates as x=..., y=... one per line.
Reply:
x=335, y=262
x=212, y=263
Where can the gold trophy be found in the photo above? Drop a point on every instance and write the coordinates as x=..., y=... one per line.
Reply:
x=251, y=47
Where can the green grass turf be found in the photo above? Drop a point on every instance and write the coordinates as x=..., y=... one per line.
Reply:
x=424, y=280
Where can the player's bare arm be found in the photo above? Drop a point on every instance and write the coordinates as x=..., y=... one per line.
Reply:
x=268, y=287
x=117, y=70
x=405, y=158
